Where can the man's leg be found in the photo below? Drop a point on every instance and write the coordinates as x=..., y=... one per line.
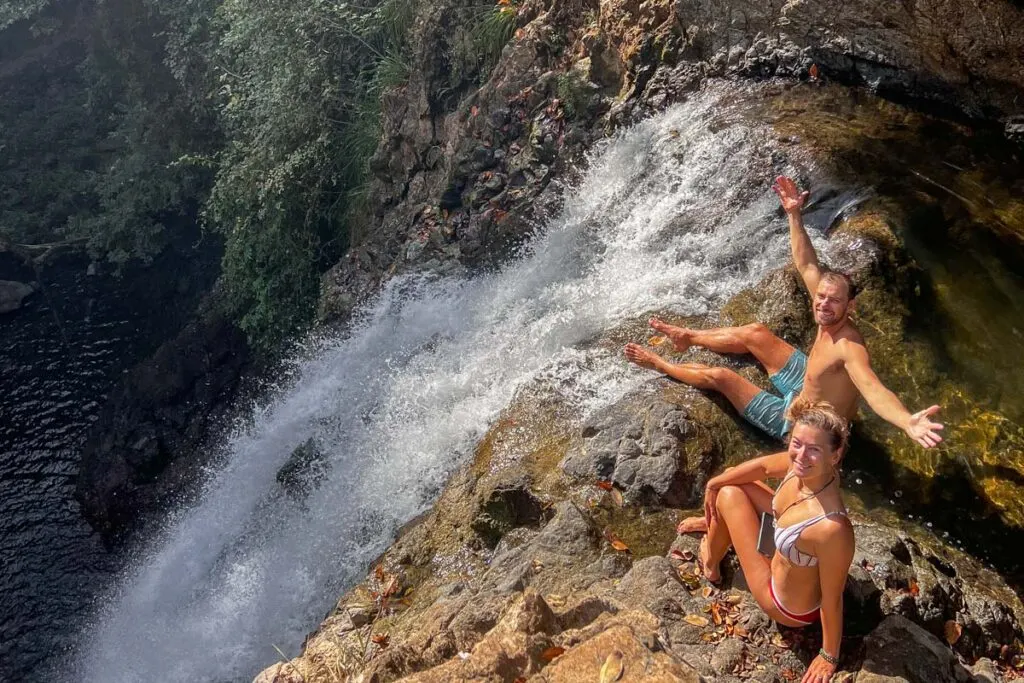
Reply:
x=755, y=339
x=738, y=390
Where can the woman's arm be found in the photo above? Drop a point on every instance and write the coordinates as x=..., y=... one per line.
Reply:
x=757, y=469
x=835, y=553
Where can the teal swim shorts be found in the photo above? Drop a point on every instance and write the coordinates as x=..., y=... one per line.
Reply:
x=768, y=411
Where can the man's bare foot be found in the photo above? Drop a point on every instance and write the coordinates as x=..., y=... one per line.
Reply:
x=693, y=525
x=712, y=574
x=642, y=357
x=680, y=336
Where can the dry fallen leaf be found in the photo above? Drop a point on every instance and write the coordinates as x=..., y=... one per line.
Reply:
x=684, y=555
x=734, y=599
x=688, y=579
x=952, y=631
x=657, y=341
x=381, y=640
x=707, y=592
x=615, y=541
x=604, y=485
x=695, y=620
x=378, y=572
x=551, y=653
x=716, y=613
x=613, y=667
x=617, y=497
x=915, y=590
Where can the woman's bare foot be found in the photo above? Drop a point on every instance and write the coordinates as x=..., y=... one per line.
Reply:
x=693, y=525
x=680, y=336
x=642, y=357
x=711, y=573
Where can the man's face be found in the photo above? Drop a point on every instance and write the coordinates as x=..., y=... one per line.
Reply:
x=831, y=303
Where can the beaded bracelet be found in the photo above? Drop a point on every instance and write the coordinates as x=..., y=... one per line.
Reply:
x=834, y=661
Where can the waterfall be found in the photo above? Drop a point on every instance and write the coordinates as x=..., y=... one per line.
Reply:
x=666, y=218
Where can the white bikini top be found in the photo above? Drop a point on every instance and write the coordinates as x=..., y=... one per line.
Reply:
x=786, y=536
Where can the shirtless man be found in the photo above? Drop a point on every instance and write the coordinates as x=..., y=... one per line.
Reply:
x=838, y=369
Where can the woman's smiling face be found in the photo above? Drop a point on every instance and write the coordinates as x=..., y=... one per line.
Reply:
x=811, y=452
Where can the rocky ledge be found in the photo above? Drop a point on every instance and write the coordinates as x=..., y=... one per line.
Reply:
x=553, y=557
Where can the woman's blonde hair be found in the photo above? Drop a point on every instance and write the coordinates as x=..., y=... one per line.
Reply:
x=823, y=416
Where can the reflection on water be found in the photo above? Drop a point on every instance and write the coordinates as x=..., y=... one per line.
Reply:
x=59, y=356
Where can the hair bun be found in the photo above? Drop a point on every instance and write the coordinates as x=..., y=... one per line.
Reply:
x=822, y=415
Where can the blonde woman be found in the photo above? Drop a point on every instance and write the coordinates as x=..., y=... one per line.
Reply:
x=802, y=581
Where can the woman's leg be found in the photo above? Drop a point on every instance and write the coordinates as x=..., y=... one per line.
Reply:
x=760, y=495
x=740, y=520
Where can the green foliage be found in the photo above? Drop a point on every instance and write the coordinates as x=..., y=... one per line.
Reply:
x=12, y=11
x=123, y=120
x=300, y=91
x=476, y=43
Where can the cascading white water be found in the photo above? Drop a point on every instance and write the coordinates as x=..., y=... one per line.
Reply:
x=659, y=222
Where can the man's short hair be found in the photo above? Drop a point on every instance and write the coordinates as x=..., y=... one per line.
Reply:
x=829, y=275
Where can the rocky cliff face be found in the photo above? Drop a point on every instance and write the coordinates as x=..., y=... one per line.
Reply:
x=457, y=178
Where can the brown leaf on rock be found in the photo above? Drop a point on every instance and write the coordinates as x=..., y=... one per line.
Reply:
x=657, y=341
x=707, y=592
x=615, y=541
x=612, y=668
x=381, y=640
x=734, y=599
x=391, y=587
x=688, y=579
x=915, y=589
x=551, y=653
x=789, y=674
x=604, y=485
x=695, y=620
x=684, y=555
x=378, y=572
x=814, y=72
x=716, y=613
x=617, y=497
x=952, y=631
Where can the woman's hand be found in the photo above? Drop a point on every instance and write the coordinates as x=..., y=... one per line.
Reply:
x=819, y=671
x=710, y=509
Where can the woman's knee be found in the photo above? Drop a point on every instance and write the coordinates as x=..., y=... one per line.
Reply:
x=729, y=496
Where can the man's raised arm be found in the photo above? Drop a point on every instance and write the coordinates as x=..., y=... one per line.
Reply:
x=918, y=426
x=804, y=257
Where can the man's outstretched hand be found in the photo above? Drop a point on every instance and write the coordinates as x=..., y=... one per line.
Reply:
x=922, y=430
x=791, y=197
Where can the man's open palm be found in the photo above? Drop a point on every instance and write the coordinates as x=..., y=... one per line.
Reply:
x=791, y=197
x=922, y=430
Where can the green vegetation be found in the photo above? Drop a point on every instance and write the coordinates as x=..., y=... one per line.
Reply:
x=124, y=122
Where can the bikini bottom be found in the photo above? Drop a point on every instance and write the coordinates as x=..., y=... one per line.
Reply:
x=807, y=618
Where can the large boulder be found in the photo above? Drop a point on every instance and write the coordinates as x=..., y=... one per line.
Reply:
x=900, y=651
x=13, y=294
x=647, y=447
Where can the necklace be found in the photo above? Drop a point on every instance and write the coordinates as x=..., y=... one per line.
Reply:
x=800, y=500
